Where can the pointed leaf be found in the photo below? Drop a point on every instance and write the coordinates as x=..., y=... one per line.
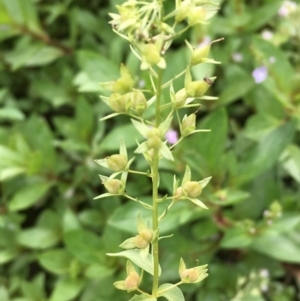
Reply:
x=28, y=195
x=143, y=297
x=134, y=256
x=170, y=292
x=266, y=152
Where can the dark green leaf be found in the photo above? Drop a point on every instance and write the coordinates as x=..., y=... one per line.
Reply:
x=266, y=152
x=134, y=256
x=29, y=195
x=85, y=246
x=56, y=261
x=278, y=246
x=38, y=238
x=67, y=289
x=170, y=292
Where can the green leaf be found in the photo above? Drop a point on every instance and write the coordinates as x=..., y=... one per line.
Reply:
x=27, y=54
x=265, y=153
x=23, y=13
x=70, y=221
x=278, y=246
x=97, y=271
x=95, y=69
x=180, y=214
x=3, y=294
x=7, y=255
x=38, y=238
x=228, y=197
x=28, y=195
x=285, y=223
x=142, y=297
x=84, y=120
x=211, y=145
x=9, y=157
x=291, y=161
x=85, y=246
x=233, y=91
x=34, y=290
x=171, y=292
x=42, y=145
x=112, y=140
x=134, y=256
x=281, y=70
x=259, y=125
x=262, y=14
x=44, y=55
x=67, y=289
x=91, y=218
x=236, y=238
x=10, y=172
x=11, y=114
x=56, y=261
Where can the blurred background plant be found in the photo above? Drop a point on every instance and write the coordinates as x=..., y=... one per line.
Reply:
x=54, y=236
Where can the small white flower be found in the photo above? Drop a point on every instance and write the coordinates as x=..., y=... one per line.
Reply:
x=237, y=57
x=287, y=8
x=267, y=34
x=264, y=287
x=264, y=273
x=272, y=59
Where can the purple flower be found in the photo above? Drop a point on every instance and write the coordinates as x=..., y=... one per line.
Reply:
x=260, y=74
x=171, y=136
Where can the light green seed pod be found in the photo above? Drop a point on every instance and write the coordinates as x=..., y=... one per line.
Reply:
x=192, y=189
x=117, y=162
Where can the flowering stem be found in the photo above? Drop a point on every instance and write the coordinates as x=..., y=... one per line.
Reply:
x=155, y=181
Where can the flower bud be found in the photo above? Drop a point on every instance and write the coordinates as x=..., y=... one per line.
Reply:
x=113, y=186
x=178, y=193
x=196, y=15
x=199, y=54
x=180, y=98
x=153, y=132
x=119, y=103
x=188, y=125
x=154, y=138
x=182, y=11
x=123, y=85
x=197, y=88
x=192, y=189
x=154, y=142
x=132, y=281
x=138, y=102
x=151, y=54
x=146, y=234
x=191, y=274
x=140, y=242
x=117, y=162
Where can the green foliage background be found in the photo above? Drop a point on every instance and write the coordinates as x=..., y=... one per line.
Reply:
x=54, y=236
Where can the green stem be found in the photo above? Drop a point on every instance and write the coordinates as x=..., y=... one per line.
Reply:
x=174, y=285
x=155, y=182
x=139, y=172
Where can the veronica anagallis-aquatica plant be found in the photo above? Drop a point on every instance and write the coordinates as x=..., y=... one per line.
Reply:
x=150, y=34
